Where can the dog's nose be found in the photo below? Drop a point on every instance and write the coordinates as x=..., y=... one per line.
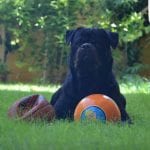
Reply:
x=86, y=45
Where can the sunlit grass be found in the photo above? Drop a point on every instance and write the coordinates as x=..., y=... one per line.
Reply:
x=126, y=88
x=28, y=87
x=65, y=135
x=135, y=84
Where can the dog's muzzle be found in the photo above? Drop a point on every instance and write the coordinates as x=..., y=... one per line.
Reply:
x=86, y=58
x=87, y=46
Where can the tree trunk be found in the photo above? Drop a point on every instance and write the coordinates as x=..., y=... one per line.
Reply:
x=2, y=44
x=45, y=63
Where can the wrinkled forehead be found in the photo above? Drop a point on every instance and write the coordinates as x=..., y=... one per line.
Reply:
x=90, y=34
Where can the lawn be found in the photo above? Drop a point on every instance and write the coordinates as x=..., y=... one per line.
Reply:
x=59, y=135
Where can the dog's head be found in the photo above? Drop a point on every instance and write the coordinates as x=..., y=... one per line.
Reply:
x=91, y=49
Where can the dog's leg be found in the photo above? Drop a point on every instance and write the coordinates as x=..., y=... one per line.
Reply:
x=64, y=107
x=55, y=96
x=64, y=100
x=120, y=100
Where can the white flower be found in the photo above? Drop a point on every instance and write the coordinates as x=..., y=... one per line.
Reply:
x=113, y=25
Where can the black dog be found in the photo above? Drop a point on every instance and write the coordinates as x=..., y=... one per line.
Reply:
x=90, y=71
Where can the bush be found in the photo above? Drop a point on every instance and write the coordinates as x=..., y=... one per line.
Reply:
x=54, y=17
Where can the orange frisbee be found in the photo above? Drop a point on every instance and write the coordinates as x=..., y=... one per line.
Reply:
x=97, y=107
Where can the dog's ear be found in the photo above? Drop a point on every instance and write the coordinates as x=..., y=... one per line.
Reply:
x=113, y=38
x=69, y=36
x=71, y=33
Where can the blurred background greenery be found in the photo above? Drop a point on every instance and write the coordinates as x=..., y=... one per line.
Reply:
x=32, y=36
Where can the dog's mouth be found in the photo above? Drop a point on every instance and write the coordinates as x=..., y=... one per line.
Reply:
x=86, y=59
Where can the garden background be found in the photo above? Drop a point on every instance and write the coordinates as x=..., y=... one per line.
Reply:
x=33, y=60
x=32, y=36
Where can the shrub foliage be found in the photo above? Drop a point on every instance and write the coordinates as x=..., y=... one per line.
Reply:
x=23, y=18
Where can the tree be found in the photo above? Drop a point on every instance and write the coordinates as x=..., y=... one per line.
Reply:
x=53, y=17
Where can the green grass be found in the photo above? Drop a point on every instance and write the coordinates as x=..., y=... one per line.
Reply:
x=17, y=135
